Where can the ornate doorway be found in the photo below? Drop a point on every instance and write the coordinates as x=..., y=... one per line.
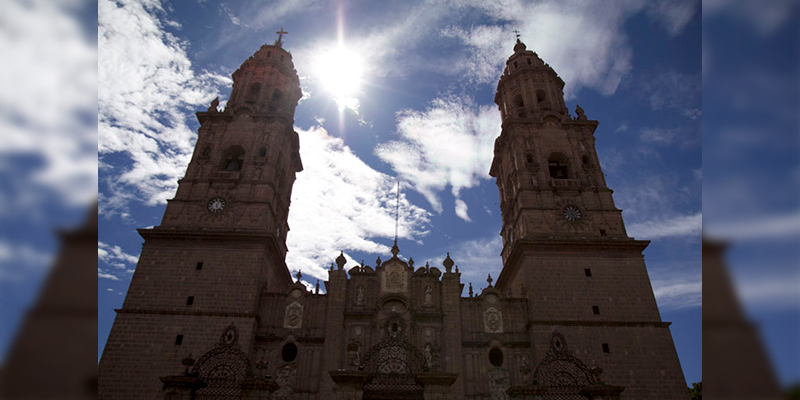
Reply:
x=393, y=364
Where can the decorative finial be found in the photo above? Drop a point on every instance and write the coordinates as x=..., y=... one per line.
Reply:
x=316, y=288
x=470, y=289
x=395, y=249
x=411, y=262
x=188, y=362
x=299, y=275
x=580, y=112
x=516, y=32
x=280, y=33
x=448, y=262
x=214, y=104
x=489, y=279
x=456, y=268
x=378, y=262
x=340, y=261
x=331, y=266
x=362, y=264
x=427, y=267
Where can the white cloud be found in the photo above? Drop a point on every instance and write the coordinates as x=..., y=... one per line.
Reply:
x=341, y=203
x=103, y=275
x=678, y=291
x=674, y=15
x=683, y=225
x=114, y=255
x=476, y=259
x=765, y=227
x=461, y=210
x=146, y=86
x=448, y=144
x=47, y=100
x=774, y=291
x=763, y=16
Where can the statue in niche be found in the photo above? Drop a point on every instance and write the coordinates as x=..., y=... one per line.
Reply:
x=285, y=377
x=428, y=295
x=214, y=105
x=428, y=352
x=360, y=294
x=498, y=383
x=431, y=352
x=353, y=354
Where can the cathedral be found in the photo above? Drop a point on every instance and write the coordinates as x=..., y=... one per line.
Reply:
x=212, y=311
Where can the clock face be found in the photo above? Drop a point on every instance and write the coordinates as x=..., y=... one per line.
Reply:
x=216, y=205
x=572, y=213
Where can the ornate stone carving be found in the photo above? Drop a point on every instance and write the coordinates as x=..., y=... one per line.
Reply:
x=498, y=383
x=394, y=278
x=360, y=295
x=294, y=316
x=428, y=295
x=493, y=320
x=285, y=377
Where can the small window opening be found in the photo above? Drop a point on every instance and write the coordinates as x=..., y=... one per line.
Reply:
x=199, y=266
x=515, y=64
x=395, y=328
x=528, y=60
x=529, y=158
x=602, y=232
x=588, y=272
x=605, y=348
x=190, y=300
x=585, y=160
x=289, y=352
x=518, y=101
x=277, y=95
x=233, y=159
x=262, y=152
x=596, y=310
x=496, y=357
x=559, y=166
x=178, y=340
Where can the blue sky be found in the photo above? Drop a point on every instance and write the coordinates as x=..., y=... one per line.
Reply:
x=419, y=109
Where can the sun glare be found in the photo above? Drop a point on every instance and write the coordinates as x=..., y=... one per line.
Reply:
x=341, y=71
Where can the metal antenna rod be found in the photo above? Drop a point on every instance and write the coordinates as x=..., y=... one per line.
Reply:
x=397, y=212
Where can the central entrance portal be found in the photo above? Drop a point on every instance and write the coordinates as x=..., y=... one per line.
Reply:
x=393, y=365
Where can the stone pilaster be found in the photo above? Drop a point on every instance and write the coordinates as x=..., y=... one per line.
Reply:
x=349, y=384
x=438, y=385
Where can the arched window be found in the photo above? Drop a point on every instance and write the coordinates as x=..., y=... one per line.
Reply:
x=289, y=352
x=541, y=96
x=559, y=166
x=585, y=160
x=496, y=357
x=232, y=159
x=529, y=158
x=518, y=101
x=252, y=94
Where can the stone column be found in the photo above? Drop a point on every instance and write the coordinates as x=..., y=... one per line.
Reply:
x=437, y=385
x=527, y=392
x=349, y=384
x=258, y=388
x=601, y=391
x=181, y=387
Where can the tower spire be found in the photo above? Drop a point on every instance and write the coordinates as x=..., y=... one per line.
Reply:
x=397, y=213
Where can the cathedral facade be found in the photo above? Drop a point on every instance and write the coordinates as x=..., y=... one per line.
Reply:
x=212, y=311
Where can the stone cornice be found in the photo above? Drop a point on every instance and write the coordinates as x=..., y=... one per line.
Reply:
x=565, y=244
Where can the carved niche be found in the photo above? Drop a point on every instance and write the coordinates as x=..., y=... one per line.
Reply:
x=294, y=316
x=493, y=320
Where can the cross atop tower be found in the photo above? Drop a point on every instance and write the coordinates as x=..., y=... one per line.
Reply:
x=516, y=32
x=280, y=36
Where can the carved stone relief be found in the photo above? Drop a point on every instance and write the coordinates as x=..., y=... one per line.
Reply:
x=498, y=383
x=394, y=278
x=294, y=316
x=493, y=320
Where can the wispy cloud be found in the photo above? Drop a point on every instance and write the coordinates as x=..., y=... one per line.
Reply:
x=765, y=227
x=678, y=290
x=341, y=203
x=683, y=225
x=116, y=262
x=448, y=144
x=146, y=87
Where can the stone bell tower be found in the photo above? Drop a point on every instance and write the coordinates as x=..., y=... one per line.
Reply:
x=564, y=240
x=222, y=241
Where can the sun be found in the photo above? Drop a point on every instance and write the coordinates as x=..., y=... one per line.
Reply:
x=341, y=72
